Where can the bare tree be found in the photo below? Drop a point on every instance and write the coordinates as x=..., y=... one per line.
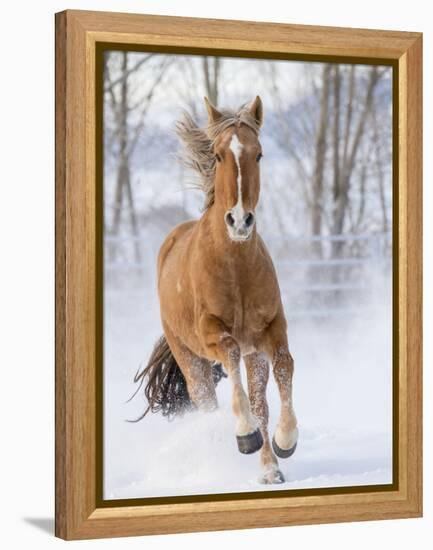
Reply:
x=347, y=165
x=211, y=73
x=327, y=136
x=297, y=135
x=129, y=118
x=379, y=164
x=319, y=162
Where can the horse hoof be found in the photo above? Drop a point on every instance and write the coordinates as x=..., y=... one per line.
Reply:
x=273, y=477
x=283, y=453
x=250, y=443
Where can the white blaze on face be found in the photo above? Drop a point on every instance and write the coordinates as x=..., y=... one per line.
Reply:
x=237, y=211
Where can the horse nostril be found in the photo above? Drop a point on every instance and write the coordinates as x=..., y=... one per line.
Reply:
x=249, y=219
x=230, y=219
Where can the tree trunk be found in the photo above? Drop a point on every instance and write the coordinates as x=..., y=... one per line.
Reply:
x=211, y=70
x=336, y=131
x=319, y=167
x=123, y=171
x=342, y=199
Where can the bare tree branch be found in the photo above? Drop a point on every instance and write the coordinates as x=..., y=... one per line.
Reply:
x=146, y=103
x=131, y=70
x=347, y=169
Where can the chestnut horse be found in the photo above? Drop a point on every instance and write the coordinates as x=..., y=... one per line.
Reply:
x=219, y=295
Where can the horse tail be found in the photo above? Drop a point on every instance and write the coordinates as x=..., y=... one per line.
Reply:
x=164, y=384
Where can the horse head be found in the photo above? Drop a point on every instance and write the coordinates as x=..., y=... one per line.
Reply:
x=237, y=153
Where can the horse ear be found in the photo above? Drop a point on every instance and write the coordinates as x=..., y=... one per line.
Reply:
x=213, y=114
x=255, y=108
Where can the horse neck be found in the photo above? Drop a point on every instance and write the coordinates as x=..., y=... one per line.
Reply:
x=223, y=246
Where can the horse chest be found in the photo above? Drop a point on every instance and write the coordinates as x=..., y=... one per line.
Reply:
x=244, y=295
x=244, y=311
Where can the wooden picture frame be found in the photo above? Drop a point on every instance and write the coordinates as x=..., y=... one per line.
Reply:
x=80, y=513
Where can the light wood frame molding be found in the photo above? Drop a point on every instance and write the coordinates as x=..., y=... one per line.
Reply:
x=79, y=513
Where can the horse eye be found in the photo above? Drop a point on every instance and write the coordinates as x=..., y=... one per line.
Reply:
x=258, y=157
x=218, y=158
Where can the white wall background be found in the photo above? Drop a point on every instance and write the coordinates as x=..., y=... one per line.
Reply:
x=27, y=269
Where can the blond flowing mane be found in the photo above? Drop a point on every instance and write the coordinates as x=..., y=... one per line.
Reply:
x=197, y=154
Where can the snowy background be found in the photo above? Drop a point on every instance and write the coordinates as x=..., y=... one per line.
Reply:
x=326, y=187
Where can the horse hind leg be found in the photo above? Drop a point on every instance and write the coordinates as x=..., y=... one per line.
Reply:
x=198, y=373
x=257, y=368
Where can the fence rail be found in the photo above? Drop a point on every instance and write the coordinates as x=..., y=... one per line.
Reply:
x=316, y=287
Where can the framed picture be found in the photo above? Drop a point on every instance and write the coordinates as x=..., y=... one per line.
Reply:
x=238, y=274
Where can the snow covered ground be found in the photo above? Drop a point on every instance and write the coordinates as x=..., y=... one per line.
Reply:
x=342, y=397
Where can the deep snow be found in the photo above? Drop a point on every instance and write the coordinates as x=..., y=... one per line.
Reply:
x=342, y=398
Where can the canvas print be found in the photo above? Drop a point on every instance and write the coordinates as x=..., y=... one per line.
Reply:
x=247, y=300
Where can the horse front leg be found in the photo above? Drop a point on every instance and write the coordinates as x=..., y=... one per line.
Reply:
x=258, y=375
x=286, y=434
x=221, y=346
